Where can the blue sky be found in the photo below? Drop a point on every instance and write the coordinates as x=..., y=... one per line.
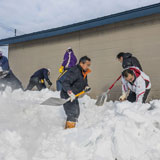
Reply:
x=31, y=16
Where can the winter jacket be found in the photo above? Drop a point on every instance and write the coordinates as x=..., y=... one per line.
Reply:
x=140, y=84
x=69, y=59
x=76, y=81
x=129, y=60
x=41, y=74
x=4, y=63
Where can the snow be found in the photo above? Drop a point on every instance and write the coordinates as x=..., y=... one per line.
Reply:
x=122, y=130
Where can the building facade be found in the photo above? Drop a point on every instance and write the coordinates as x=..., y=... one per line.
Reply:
x=136, y=31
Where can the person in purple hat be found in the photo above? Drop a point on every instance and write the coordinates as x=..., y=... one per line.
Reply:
x=69, y=61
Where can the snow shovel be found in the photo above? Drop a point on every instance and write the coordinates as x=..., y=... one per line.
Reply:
x=103, y=97
x=52, y=101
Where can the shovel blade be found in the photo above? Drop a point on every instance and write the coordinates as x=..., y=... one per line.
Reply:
x=52, y=101
x=101, y=99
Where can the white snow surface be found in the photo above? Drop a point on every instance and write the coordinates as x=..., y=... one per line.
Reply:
x=122, y=130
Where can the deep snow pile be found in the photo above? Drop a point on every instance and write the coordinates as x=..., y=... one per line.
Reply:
x=29, y=131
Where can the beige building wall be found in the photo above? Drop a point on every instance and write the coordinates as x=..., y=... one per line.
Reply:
x=139, y=36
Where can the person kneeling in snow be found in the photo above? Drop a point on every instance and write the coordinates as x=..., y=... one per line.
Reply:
x=137, y=82
x=74, y=83
x=37, y=79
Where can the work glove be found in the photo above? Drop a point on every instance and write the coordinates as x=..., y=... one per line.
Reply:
x=42, y=80
x=49, y=82
x=61, y=69
x=123, y=97
x=87, y=89
x=71, y=95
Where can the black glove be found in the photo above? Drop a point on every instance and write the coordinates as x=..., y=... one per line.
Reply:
x=49, y=82
x=87, y=89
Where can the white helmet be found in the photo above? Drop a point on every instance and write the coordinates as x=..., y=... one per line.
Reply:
x=69, y=48
x=49, y=70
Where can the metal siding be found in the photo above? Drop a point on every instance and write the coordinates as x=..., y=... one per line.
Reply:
x=140, y=37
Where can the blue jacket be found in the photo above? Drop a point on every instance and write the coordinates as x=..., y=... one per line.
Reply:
x=4, y=63
x=41, y=74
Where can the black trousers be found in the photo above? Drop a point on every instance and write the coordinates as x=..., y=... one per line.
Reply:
x=35, y=81
x=132, y=96
x=12, y=81
x=72, y=110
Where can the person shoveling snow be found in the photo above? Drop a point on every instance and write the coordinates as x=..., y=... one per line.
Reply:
x=137, y=83
x=38, y=79
x=74, y=83
x=128, y=60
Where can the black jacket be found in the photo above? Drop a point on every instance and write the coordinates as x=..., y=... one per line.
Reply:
x=74, y=81
x=129, y=60
x=41, y=74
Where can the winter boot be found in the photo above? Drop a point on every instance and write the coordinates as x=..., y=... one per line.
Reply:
x=70, y=124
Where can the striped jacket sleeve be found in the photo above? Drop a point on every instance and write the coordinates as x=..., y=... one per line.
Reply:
x=140, y=89
x=124, y=85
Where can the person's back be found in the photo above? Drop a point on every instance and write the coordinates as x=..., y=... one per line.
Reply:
x=69, y=61
x=129, y=60
x=37, y=79
x=136, y=63
x=41, y=74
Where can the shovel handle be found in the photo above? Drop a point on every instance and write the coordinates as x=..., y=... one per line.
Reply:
x=77, y=95
x=114, y=83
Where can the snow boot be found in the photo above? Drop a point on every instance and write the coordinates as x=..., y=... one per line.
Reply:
x=70, y=124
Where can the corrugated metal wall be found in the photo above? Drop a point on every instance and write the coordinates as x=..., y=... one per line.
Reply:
x=139, y=36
